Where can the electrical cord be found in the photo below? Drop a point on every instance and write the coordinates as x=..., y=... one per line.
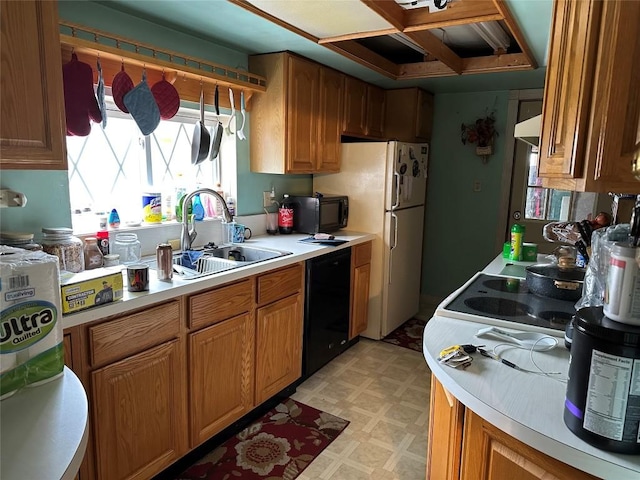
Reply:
x=540, y=371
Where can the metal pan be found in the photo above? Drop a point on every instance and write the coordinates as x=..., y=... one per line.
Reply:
x=217, y=130
x=201, y=137
x=556, y=281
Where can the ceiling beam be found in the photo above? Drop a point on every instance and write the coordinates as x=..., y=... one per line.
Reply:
x=362, y=55
x=460, y=12
x=512, y=25
x=354, y=36
x=389, y=10
x=495, y=63
x=437, y=48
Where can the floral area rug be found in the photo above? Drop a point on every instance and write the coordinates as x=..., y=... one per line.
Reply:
x=277, y=446
x=408, y=335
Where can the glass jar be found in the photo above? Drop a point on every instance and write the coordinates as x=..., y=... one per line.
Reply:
x=92, y=253
x=19, y=240
x=63, y=244
x=127, y=246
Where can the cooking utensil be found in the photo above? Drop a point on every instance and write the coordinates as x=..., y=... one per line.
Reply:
x=218, y=129
x=537, y=341
x=240, y=132
x=233, y=113
x=562, y=281
x=201, y=137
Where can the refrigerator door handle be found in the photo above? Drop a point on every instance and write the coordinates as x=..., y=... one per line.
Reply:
x=394, y=217
x=396, y=176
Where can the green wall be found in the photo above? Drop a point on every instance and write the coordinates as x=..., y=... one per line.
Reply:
x=460, y=224
x=48, y=191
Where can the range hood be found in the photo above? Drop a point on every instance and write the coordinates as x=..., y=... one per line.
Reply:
x=529, y=130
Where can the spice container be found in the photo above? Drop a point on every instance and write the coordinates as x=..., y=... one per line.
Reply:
x=19, y=240
x=127, y=246
x=92, y=253
x=111, y=260
x=63, y=244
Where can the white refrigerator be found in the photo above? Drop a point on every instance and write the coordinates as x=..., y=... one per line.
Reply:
x=386, y=184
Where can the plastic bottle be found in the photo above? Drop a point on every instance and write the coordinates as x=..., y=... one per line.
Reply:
x=114, y=219
x=517, y=238
x=198, y=208
x=285, y=216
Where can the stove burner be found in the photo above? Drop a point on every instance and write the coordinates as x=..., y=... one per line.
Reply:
x=498, y=306
x=510, y=285
x=557, y=319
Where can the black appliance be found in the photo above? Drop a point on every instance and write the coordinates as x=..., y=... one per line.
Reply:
x=319, y=213
x=506, y=300
x=326, y=309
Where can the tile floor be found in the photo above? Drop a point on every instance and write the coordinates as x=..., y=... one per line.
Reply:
x=383, y=390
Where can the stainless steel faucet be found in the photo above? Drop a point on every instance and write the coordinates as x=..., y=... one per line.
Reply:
x=189, y=235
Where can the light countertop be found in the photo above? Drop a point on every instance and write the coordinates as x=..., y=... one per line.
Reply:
x=161, y=291
x=527, y=406
x=44, y=430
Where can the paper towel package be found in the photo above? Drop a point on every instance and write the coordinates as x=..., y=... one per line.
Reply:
x=31, y=348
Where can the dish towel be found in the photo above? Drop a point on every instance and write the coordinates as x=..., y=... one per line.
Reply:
x=143, y=107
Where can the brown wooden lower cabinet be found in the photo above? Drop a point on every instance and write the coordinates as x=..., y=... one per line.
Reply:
x=360, y=280
x=221, y=376
x=140, y=413
x=463, y=446
x=278, y=346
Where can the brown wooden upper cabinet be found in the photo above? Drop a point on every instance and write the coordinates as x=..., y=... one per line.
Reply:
x=364, y=107
x=591, y=112
x=32, y=123
x=295, y=124
x=409, y=115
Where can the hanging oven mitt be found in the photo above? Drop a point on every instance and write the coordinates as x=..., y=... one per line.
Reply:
x=143, y=107
x=80, y=104
x=100, y=94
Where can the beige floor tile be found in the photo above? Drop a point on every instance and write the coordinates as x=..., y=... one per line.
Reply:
x=383, y=390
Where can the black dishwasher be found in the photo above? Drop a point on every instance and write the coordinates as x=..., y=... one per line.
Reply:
x=326, y=309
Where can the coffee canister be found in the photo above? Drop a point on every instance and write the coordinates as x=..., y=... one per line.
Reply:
x=164, y=260
x=603, y=392
x=152, y=207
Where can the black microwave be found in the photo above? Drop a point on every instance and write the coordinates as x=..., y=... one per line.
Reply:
x=320, y=213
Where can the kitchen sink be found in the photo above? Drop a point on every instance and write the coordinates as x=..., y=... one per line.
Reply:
x=209, y=261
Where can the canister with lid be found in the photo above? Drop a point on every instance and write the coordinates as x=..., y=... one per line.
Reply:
x=622, y=290
x=61, y=242
x=127, y=246
x=92, y=254
x=19, y=240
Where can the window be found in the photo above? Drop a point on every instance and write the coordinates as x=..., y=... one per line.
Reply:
x=544, y=203
x=112, y=167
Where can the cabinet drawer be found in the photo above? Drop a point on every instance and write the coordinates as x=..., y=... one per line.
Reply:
x=219, y=304
x=127, y=335
x=361, y=254
x=279, y=284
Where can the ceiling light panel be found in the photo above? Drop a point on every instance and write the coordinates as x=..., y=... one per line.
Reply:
x=432, y=5
x=324, y=19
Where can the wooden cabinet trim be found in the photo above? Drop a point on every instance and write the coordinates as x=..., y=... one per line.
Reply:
x=220, y=303
x=115, y=339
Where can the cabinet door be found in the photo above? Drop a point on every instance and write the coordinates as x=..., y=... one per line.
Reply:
x=446, y=415
x=615, y=116
x=32, y=124
x=355, y=107
x=139, y=413
x=568, y=86
x=278, y=346
x=330, y=120
x=360, y=300
x=302, y=115
x=424, y=117
x=491, y=454
x=375, y=111
x=221, y=376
